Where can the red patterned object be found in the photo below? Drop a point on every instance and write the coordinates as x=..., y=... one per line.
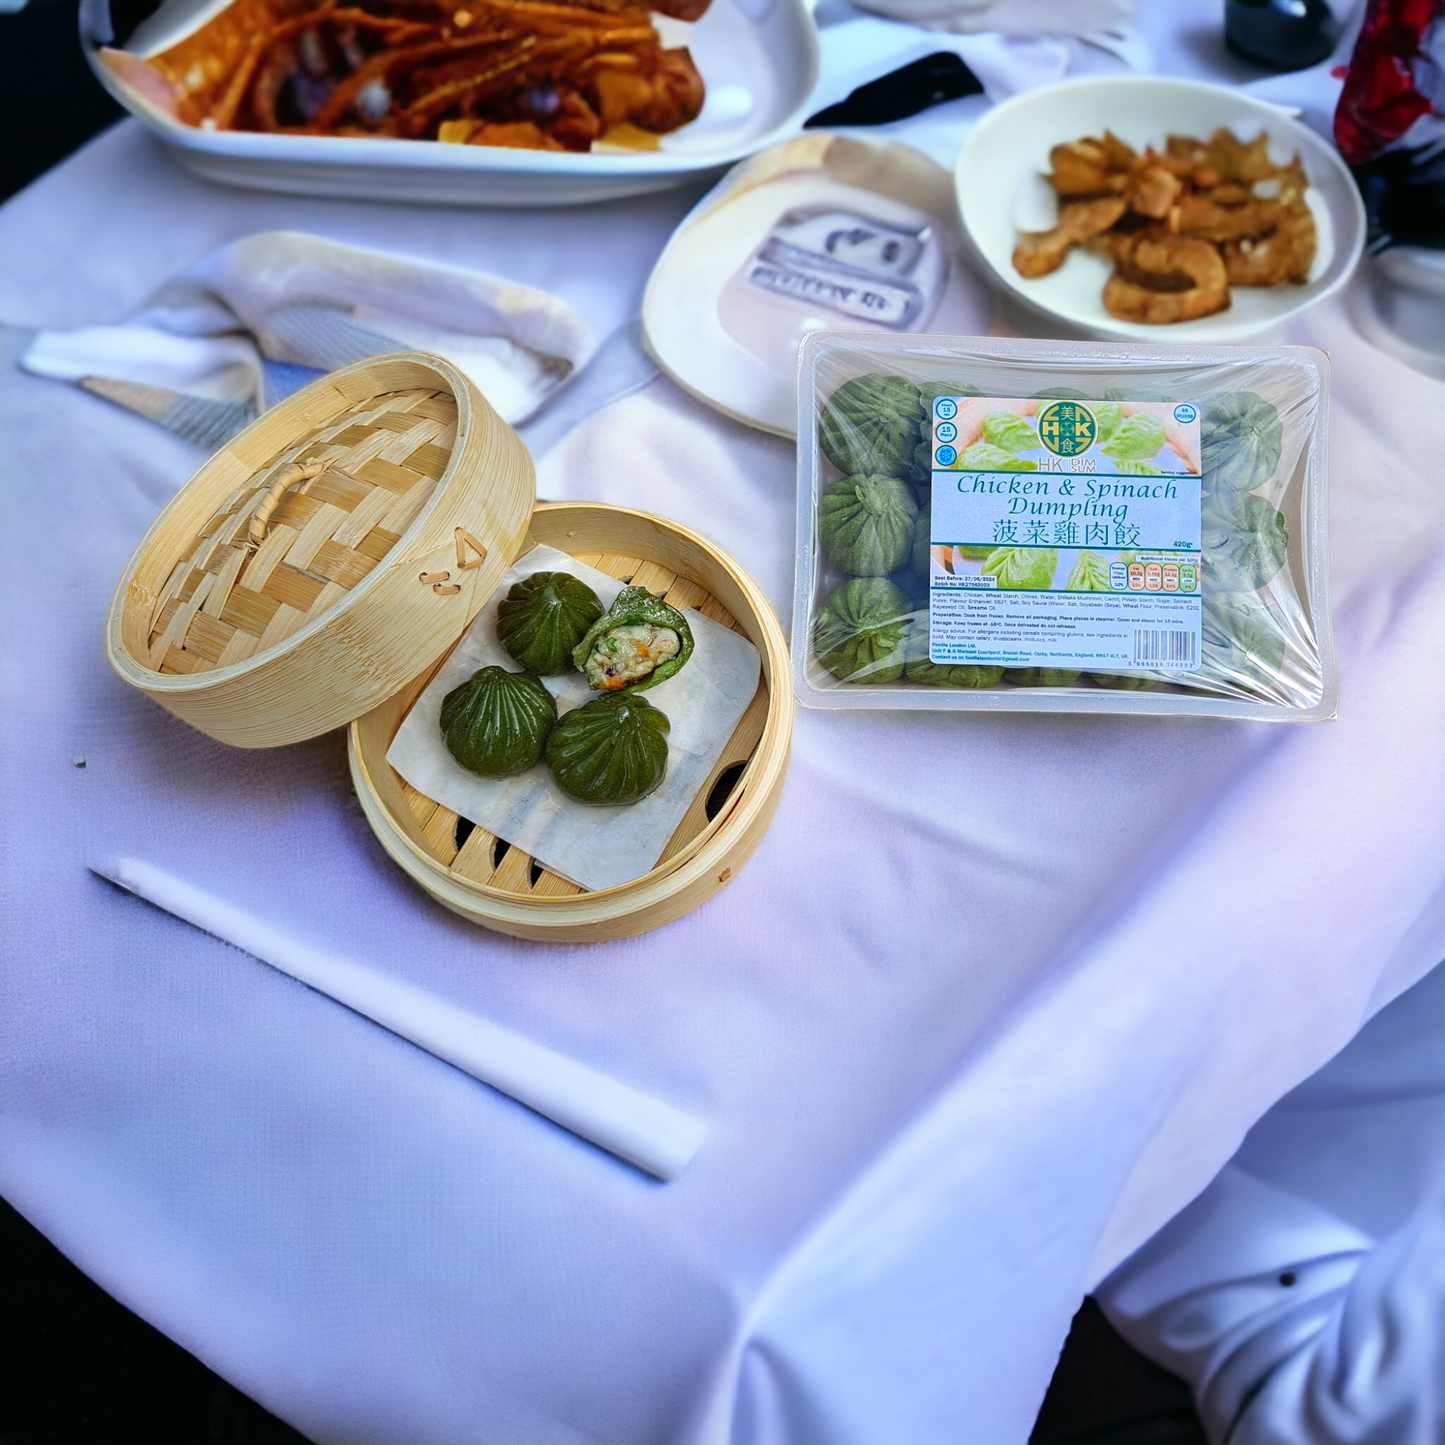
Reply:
x=1390, y=122
x=1381, y=98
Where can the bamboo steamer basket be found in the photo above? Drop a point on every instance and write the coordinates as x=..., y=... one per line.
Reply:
x=474, y=874
x=317, y=571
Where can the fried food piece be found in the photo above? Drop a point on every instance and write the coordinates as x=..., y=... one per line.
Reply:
x=1163, y=278
x=482, y=72
x=1040, y=252
x=1153, y=190
x=1281, y=257
x=1089, y=167
x=513, y=135
x=1203, y=216
x=1237, y=160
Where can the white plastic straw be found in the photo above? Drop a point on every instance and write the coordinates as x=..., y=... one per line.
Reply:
x=646, y=1132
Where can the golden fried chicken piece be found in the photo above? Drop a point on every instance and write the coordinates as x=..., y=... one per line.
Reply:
x=1040, y=252
x=1162, y=278
x=1153, y=190
x=1090, y=167
x=1237, y=160
x=1203, y=216
x=1283, y=256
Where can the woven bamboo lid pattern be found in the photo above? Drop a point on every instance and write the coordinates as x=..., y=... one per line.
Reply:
x=306, y=569
x=285, y=548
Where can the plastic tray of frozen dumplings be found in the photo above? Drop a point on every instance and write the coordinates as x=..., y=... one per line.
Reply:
x=1026, y=525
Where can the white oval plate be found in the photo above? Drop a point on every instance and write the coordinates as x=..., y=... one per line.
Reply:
x=758, y=60
x=1002, y=190
x=734, y=346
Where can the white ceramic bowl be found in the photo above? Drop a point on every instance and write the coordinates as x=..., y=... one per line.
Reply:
x=758, y=59
x=1001, y=191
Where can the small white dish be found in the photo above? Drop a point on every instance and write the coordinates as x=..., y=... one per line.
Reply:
x=1002, y=191
x=823, y=232
x=758, y=60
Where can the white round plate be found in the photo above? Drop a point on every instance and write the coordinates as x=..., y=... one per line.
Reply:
x=733, y=343
x=758, y=60
x=1002, y=191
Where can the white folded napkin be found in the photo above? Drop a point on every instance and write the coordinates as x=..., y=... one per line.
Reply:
x=266, y=314
x=645, y=1131
x=1105, y=24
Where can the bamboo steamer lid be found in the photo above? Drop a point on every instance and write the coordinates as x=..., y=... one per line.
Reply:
x=314, y=564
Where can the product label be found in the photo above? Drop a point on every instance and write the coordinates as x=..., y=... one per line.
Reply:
x=849, y=263
x=1065, y=534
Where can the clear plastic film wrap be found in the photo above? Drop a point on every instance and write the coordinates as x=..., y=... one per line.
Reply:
x=1062, y=526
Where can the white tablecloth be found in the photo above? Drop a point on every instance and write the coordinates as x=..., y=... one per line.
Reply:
x=994, y=999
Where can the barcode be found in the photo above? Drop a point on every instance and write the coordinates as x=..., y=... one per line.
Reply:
x=1164, y=649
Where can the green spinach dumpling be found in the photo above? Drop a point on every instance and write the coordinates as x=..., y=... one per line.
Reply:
x=922, y=543
x=610, y=751
x=1245, y=542
x=542, y=619
x=872, y=424
x=918, y=668
x=638, y=642
x=1241, y=437
x=496, y=723
x=1241, y=638
x=860, y=629
x=865, y=524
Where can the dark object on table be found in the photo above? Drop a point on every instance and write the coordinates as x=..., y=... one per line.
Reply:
x=902, y=93
x=1105, y=1393
x=80, y=1369
x=1281, y=34
x=50, y=103
x=1404, y=195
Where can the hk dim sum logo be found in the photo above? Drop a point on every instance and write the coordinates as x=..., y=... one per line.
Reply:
x=1067, y=429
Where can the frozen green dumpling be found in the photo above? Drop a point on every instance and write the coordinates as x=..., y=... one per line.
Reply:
x=610, y=751
x=860, y=629
x=1245, y=542
x=922, y=545
x=920, y=669
x=865, y=524
x=497, y=722
x=872, y=424
x=1241, y=438
x=542, y=619
x=638, y=642
x=1241, y=639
